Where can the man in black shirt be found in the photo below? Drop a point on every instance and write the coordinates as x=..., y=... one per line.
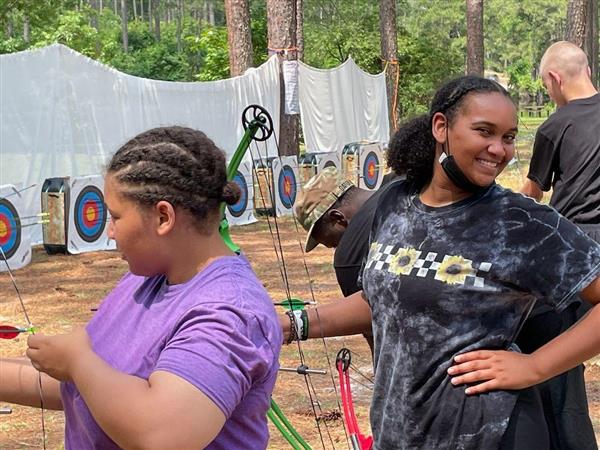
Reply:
x=337, y=214
x=566, y=158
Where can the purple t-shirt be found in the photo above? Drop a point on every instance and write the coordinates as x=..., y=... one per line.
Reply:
x=219, y=331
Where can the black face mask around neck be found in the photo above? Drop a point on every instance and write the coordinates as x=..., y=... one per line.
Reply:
x=456, y=175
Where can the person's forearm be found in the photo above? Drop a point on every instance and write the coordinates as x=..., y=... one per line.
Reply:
x=350, y=315
x=19, y=384
x=531, y=189
x=576, y=345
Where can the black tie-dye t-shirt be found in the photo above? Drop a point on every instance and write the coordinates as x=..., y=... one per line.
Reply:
x=444, y=281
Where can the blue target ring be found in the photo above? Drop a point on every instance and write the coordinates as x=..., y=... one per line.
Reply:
x=237, y=209
x=10, y=228
x=90, y=214
x=371, y=170
x=287, y=186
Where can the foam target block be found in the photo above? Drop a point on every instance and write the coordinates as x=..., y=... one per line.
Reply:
x=286, y=183
x=371, y=167
x=242, y=212
x=88, y=216
x=14, y=236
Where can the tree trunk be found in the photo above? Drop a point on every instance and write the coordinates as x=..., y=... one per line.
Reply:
x=281, y=31
x=239, y=36
x=179, y=18
x=576, y=20
x=157, y=20
x=134, y=10
x=124, y=30
x=475, y=37
x=26, y=29
x=300, y=29
x=94, y=16
x=142, y=10
x=211, y=12
x=389, y=52
x=10, y=27
x=591, y=38
x=115, y=7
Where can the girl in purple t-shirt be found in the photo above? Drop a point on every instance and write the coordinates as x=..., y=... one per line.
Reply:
x=183, y=352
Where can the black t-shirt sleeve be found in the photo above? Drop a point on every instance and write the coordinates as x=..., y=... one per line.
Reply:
x=541, y=168
x=558, y=259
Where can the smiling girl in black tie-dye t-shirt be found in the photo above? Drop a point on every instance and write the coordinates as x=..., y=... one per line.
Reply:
x=454, y=267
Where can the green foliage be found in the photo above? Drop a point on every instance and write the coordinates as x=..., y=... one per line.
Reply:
x=215, y=54
x=71, y=29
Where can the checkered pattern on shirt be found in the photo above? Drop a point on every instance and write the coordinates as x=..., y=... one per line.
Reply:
x=381, y=256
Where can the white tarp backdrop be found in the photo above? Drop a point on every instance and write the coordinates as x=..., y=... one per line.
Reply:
x=341, y=105
x=63, y=114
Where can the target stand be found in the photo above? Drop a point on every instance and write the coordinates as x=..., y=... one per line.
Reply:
x=286, y=184
x=307, y=167
x=264, y=189
x=350, y=161
x=14, y=237
x=88, y=216
x=55, y=204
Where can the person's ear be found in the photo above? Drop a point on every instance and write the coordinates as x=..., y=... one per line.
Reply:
x=165, y=217
x=439, y=125
x=338, y=217
x=555, y=77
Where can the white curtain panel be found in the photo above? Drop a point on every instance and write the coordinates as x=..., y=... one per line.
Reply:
x=63, y=114
x=342, y=105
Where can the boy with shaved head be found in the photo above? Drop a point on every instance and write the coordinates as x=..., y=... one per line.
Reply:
x=566, y=158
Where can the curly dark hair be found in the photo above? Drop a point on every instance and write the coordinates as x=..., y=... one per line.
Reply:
x=412, y=148
x=176, y=164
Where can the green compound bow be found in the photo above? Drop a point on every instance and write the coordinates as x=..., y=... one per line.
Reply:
x=258, y=127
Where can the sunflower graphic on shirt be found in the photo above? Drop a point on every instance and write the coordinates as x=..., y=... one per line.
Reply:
x=403, y=261
x=454, y=270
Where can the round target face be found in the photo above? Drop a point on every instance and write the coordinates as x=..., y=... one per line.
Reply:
x=90, y=213
x=10, y=229
x=371, y=170
x=287, y=186
x=237, y=209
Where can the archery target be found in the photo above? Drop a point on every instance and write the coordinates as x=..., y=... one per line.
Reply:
x=88, y=216
x=10, y=230
x=371, y=170
x=285, y=175
x=14, y=240
x=328, y=160
x=242, y=212
x=371, y=165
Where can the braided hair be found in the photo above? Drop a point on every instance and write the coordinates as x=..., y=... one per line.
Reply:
x=179, y=165
x=412, y=148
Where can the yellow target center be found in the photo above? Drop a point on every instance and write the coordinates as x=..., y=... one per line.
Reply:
x=90, y=214
x=3, y=229
x=287, y=187
x=372, y=170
